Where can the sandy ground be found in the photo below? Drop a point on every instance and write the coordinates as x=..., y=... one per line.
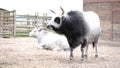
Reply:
x=22, y=53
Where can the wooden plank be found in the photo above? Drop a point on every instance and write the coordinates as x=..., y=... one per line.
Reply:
x=7, y=11
x=24, y=21
x=22, y=34
x=8, y=28
x=7, y=32
x=7, y=25
x=25, y=26
x=8, y=16
x=7, y=22
x=6, y=19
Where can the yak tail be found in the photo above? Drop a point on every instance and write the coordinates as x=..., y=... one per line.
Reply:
x=93, y=45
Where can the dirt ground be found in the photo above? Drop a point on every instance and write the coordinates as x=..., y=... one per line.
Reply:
x=22, y=53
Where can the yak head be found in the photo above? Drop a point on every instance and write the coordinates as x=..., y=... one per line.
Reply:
x=37, y=32
x=56, y=21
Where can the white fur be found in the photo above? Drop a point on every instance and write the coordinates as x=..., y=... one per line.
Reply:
x=93, y=22
x=52, y=22
x=49, y=40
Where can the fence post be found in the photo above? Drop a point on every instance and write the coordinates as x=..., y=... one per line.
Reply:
x=14, y=23
x=28, y=20
x=44, y=20
x=36, y=18
x=1, y=24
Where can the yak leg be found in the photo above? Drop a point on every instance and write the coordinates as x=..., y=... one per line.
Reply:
x=71, y=53
x=83, y=50
x=86, y=51
x=96, y=51
x=82, y=56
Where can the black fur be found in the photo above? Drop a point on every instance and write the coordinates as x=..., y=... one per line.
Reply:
x=57, y=20
x=77, y=31
x=74, y=28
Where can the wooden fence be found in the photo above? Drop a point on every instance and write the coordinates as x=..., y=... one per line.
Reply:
x=25, y=23
x=20, y=25
x=7, y=23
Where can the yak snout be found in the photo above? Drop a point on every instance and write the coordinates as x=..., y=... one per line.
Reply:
x=50, y=27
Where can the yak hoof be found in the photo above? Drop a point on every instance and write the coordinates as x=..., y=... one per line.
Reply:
x=82, y=60
x=86, y=56
x=96, y=56
x=71, y=58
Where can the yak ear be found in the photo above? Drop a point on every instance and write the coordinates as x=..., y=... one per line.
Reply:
x=53, y=11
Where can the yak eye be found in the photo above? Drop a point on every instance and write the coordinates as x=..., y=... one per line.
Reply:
x=57, y=20
x=39, y=30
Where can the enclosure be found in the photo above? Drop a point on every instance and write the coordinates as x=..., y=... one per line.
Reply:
x=17, y=50
x=22, y=53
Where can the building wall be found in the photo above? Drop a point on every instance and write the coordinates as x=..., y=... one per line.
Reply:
x=116, y=21
x=107, y=12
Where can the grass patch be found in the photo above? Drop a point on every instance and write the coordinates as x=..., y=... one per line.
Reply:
x=24, y=32
x=6, y=35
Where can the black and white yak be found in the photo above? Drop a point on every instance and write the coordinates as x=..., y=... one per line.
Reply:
x=79, y=28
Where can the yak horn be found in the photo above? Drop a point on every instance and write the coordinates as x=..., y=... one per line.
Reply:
x=62, y=10
x=53, y=11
